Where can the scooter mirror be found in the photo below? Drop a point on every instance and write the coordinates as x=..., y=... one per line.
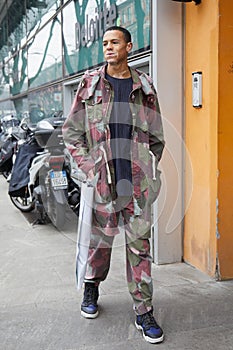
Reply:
x=24, y=126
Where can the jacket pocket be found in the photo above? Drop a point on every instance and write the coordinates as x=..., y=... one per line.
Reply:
x=95, y=126
x=150, y=181
x=93, y=108
x=154, y=181
x=103, y=185
x=102, y=189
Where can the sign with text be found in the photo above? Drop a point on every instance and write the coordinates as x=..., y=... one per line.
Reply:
x=94, y=27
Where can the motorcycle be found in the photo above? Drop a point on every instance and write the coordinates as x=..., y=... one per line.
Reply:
x=52, y=192
x=12, y=135
x=19, y=177
x=50, y=189
x=7, y=124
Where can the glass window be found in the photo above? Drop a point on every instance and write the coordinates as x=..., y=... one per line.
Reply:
x=4, y=82
x=40, y=15
x=18, y=72
x=45, y=102
x=21, y=19
x=6, y=108
x=45, y=54
x=19, y=16
x=21, y=107
x=85, y=21
x=37, y=105
x=31, y=37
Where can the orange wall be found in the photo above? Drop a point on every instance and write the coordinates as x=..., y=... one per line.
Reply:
x=225, y=144
x=201, y=54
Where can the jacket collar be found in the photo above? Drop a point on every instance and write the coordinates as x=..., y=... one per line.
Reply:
x=140, y=80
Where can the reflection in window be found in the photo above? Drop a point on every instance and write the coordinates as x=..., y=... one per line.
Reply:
x=31, y=52
x=45, y=54
x=45, y=103
x=83, y=25
x=20, y=19
x=4, y=82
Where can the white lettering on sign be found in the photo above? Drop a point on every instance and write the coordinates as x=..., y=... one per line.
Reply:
x=94, y=28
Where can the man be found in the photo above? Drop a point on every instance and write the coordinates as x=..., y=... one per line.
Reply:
x=114, y=132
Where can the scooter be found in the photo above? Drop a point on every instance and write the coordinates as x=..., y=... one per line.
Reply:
x=49, y=188
x=51, y=192
x=18, y=180
x=12, y=135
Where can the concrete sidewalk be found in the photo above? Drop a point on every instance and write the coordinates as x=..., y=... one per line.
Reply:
x=40, y=307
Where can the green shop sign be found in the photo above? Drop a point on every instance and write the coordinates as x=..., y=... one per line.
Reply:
x=94, y=27
x=84, y=24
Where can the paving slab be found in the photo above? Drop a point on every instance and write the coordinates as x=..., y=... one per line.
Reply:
x=40, y=306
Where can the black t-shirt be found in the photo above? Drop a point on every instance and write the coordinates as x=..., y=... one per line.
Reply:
x=121, y=129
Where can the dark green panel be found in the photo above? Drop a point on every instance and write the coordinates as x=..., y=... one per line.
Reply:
x=4, y=82
x=18, y=72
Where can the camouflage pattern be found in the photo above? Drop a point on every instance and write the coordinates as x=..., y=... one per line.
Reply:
x=87, y=136
x=138, y=260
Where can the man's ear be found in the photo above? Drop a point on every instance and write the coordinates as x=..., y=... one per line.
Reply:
x=129, y=46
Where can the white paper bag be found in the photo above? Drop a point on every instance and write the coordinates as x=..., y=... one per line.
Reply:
x=84, y=232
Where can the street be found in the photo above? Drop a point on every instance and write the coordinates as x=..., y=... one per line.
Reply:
x=40, y=306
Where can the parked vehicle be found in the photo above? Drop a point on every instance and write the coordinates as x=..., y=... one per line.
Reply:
x=12, y=135
x=52, y=192
x=45, y=182
x=18, y=183
x=8, y=124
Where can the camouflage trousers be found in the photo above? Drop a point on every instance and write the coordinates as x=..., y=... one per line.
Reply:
x=138, y=258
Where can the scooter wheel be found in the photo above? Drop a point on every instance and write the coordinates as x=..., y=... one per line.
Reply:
x=23, y=204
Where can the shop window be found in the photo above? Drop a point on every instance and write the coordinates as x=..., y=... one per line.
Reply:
x=45, y=103
x=45, y=55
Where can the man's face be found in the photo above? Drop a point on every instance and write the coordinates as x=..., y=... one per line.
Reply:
x=115, y=48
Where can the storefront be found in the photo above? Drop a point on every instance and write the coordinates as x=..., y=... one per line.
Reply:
x=53, y=41
x=48, y=46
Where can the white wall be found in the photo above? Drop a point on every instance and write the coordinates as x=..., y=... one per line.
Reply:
x=167, y=74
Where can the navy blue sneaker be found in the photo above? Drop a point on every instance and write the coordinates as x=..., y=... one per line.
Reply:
x=89, y=307
x=150, y=329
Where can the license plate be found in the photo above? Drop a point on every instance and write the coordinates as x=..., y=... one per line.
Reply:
x=58, y=179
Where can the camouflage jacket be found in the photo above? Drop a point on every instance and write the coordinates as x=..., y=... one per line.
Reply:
x=87, y=136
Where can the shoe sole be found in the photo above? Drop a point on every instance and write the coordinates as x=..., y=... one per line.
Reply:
x=148, y=339
x=86, y=315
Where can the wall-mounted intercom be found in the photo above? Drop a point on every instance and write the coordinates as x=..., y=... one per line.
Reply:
x=197, y=89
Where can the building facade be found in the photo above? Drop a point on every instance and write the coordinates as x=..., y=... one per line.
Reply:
x=208, y=240
x=46, y=45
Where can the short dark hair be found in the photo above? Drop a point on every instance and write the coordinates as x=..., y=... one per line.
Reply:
x=126, y=33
